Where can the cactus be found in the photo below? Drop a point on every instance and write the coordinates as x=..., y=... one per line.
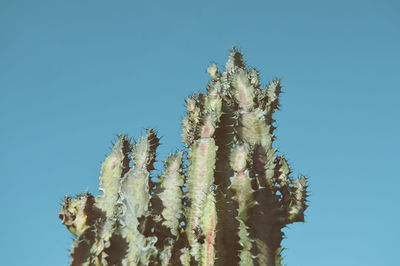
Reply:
x=223, y=200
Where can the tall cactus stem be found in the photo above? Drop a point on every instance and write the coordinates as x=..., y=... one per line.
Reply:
x=223, y=200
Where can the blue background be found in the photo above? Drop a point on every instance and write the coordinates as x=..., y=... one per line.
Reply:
x=75, y=73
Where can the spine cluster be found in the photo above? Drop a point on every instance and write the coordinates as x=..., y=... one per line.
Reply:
x=224, y=200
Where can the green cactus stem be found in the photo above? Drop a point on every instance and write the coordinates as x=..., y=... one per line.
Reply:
x=223, y=200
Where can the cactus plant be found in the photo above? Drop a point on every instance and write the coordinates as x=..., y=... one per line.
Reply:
x=223, y=200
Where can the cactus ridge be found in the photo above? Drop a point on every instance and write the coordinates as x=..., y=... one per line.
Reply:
x=223, y=200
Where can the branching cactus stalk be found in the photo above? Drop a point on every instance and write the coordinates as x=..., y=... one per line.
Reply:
x=223, y=200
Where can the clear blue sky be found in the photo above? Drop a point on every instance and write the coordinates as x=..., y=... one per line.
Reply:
x=75, y=73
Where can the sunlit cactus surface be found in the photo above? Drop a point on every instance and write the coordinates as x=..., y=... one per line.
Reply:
x=223, y=200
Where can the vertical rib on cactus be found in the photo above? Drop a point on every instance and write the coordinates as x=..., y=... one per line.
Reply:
x=241, y=185
x=226, y=206
x=227, y=239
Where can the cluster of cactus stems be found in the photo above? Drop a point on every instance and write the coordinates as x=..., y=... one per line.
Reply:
x=223, y=200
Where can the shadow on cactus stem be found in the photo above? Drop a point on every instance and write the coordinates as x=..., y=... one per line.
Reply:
x=223, y=200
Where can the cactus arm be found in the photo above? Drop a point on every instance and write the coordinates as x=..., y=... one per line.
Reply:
x=168, y=204
x=269, y=212
x=298, y=204
x=171, y=196
x=113, y=169
x=134, y=190
x=78, y=215
x=273, y=90
x=75, y=213
x=135, y=198
x=202, y=158
x=201, y=169
x=255, y=134
x=167, y=210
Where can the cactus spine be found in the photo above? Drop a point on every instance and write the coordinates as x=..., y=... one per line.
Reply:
x=223, y=201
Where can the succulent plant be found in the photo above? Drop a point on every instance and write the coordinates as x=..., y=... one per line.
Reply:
x=224, y=199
